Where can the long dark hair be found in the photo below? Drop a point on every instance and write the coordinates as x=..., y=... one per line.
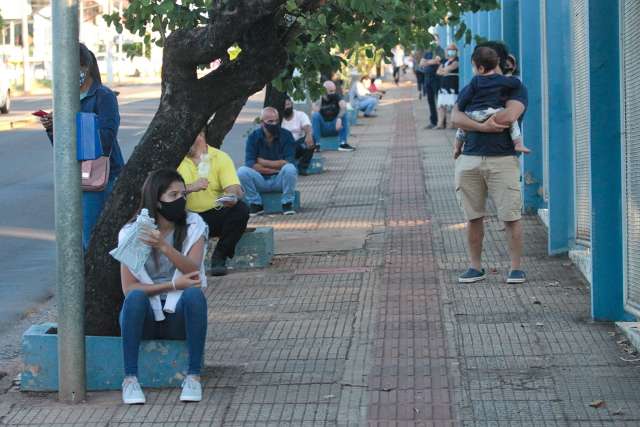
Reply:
x=88, y=59
x=153, y=188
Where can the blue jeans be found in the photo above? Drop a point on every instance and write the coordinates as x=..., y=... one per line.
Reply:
x=254, y=183
x=323, y=128
x=367, y=104
x=92, y=204
x=189, y=321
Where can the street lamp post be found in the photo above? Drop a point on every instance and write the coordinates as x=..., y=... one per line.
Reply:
x=68, y=211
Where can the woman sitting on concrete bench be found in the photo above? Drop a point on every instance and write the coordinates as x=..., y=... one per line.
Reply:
x=163, y=299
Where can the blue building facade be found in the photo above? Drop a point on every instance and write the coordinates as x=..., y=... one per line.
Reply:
x=580, y=60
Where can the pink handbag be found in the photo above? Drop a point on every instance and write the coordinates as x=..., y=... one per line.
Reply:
x=95, y=174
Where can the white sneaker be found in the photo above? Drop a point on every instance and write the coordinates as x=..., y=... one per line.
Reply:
x=191, y=389
x=132, y=392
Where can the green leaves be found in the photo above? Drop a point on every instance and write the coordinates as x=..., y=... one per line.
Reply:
x=335, y=35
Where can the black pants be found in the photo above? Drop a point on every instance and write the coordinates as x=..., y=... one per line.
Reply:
x=396, y=74
x=228, y=224
x=431, y=90
x=420, y=80
x=303, y=154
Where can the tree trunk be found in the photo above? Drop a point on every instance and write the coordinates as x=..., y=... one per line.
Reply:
x=186, y=104
x=223, y=121
x=274, y=98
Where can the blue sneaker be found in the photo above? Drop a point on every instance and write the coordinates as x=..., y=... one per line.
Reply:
x=516, y=276
x=472, y=275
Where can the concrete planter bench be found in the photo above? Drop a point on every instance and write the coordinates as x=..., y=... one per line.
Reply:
x=353, y=117
x=316, y=165
x=254, y=250
x=272, y=202
x=329, y=143
x=162, y=363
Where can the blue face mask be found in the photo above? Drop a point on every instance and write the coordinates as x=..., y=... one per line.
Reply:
x=452, y=52
x=83, y=95
x=83, y=77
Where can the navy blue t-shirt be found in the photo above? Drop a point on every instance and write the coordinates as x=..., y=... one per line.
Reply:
x=495, y=144
x=484, y=92
x=281, y=148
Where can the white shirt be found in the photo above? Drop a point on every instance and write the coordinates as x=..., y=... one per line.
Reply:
x=296, y=124
x=196, y=229
x=398, y=56
x=362, y=91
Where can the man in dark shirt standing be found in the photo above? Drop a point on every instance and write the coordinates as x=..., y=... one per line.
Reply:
x=269, y=164
x=490, y=167
x=429, y=64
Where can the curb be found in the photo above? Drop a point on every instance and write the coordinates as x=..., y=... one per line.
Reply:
x=15, y=124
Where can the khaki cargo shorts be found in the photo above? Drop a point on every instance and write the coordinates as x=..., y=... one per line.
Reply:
x=497, y=177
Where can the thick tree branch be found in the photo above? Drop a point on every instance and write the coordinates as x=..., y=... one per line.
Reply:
x=223, y=122
x=230, y=20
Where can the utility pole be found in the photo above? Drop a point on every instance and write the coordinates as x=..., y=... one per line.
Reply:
x=68, y=210
x=26, y=70
x=109, y=46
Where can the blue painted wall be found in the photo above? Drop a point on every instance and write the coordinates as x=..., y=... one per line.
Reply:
x=561, y=201
x=606, y=189
x=530, y=68
x=510, y=24
x=495, y=25
x=483, y=24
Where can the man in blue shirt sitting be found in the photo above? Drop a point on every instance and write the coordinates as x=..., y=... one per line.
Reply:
x=269, y=164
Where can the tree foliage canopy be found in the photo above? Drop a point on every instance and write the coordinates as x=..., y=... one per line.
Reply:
x=325, y=30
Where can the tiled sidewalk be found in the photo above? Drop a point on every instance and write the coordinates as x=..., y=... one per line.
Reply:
x=376, y=331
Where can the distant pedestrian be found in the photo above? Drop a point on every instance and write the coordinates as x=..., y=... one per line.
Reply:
x=448, y=92
x=430, y=63
x=99, y=99
x=418, y=54
x=164, y=299
x=398, y=62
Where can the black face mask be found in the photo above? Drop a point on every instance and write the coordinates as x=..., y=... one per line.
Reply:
x=174, y=211
x=288, y=112
x=273, y=129
x=334, y=97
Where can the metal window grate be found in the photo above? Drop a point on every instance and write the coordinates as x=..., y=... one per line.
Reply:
x=630, y=71
x=582, y=121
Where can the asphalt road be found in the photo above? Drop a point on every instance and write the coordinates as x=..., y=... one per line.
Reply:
x=27, y=236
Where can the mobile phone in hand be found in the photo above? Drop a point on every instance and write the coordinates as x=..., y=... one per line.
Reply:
x=40, y=113
x=227, y=198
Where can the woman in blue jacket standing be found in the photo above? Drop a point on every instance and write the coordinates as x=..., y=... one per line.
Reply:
x=99, y=99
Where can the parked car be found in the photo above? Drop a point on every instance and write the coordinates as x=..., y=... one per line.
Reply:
x=5, y=90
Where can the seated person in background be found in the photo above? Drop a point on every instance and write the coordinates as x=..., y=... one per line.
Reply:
x=214, y=192
x=269, y=157
x=362, y=99
x=487, y=94
x=328, y=118
x=164, y=299
x=374, y=87
x=297, y=122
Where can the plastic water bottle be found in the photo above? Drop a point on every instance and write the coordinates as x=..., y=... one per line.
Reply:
x=204, y=166
x=133, y=252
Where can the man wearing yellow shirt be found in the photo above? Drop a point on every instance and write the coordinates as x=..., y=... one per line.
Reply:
x=214, y=192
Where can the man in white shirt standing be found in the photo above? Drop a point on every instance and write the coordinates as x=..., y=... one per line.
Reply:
x=297, y=122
